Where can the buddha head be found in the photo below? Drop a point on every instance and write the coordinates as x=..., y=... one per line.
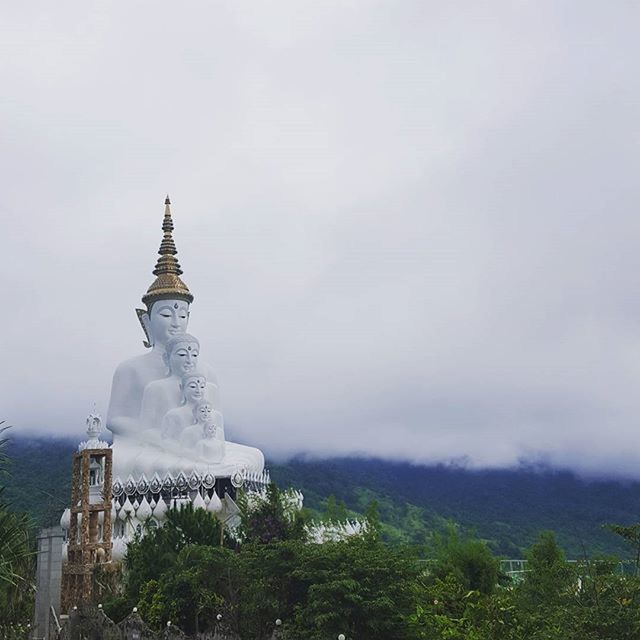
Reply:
x=181, y=354
x=193, y=386
x=163, y=320
x=203, y=413
x=168, y=298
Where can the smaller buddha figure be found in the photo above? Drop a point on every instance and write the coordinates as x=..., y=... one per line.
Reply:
x=193, y=387
x=205, y=438
x=160, y=396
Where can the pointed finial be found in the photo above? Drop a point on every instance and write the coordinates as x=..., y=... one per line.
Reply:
x=167, y=284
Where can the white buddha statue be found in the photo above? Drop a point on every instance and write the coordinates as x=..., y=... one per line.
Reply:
x=164, y=319
x=167, y=315
x=154, y=395
x=205, y=438
x=161, y=396
x=175, y=421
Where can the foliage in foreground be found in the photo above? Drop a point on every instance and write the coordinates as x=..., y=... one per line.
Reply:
x=556, y=601
x=361, y=587
x=182, y=573
x=16, y=556
x=364, y=588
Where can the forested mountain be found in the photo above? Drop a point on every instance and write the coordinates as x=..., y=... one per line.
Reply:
x=507, y=508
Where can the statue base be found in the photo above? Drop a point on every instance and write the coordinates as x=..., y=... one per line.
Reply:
x=131, y=458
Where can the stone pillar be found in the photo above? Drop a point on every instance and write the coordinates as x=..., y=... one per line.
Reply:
x=48, y=580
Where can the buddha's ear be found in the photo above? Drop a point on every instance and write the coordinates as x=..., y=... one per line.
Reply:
x=143, y=317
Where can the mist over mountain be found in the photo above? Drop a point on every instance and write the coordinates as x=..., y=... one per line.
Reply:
x=506, y=507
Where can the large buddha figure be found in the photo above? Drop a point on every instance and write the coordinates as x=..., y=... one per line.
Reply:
x=167, y=314
x=148, y=387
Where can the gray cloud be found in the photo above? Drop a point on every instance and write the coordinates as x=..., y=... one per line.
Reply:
x=411, y=229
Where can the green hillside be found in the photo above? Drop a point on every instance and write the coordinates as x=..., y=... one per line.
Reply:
x=505, y=507
x=39, y=480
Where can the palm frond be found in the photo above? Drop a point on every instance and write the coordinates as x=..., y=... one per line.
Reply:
x=15, y=546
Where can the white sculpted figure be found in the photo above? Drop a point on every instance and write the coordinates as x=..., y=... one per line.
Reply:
x=167, y=314
x=160, y=396
x=206, y=437
x=164, y=319
x=193, y=387
x=153, y=395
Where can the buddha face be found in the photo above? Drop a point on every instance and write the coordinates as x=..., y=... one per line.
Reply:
x=193, y=389
x=168, y=318
x=184, y=358
x=204, y=413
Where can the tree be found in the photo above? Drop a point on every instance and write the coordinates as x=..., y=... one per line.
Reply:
x=269, y=589
x=549, y=580
x=359, y=587
x=631, y=534
x=334, y=511
x=156, y=550
x=466, y=558
x=16, y=554
x=270, y=517
x=201, y=583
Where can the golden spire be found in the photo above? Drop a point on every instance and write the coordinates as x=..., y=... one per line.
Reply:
x=167, y=284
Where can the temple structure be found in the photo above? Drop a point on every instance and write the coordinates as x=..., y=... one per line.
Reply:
x=169, y=442
x=169, y=448
x=88, y=520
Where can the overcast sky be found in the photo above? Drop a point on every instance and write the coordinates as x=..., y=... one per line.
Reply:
x=412, y=229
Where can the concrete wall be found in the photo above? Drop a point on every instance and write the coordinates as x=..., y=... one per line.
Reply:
x=48, y=580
